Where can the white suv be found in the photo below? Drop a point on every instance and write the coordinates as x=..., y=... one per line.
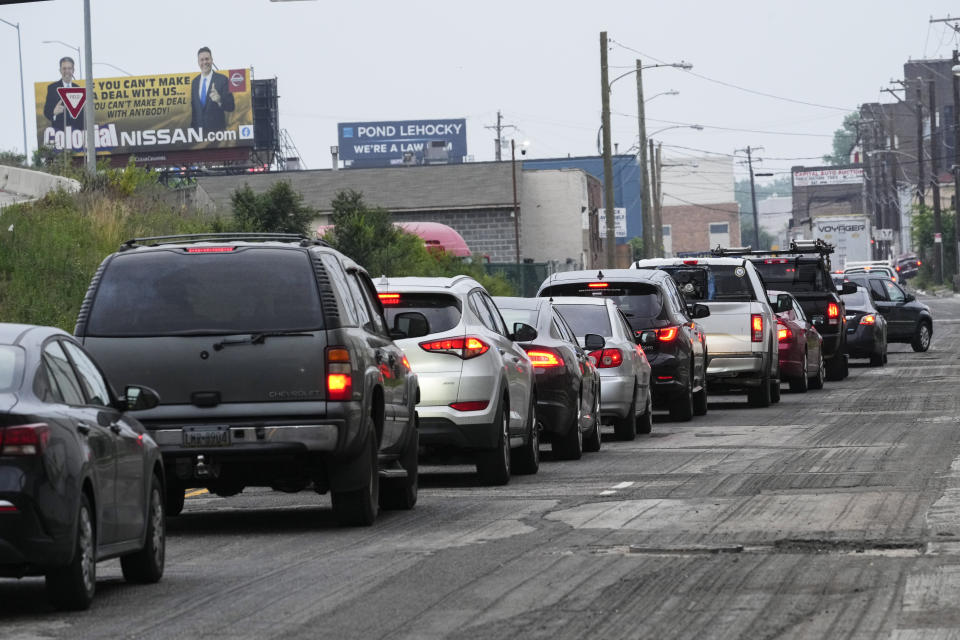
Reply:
x=741, y=329
x=476, y=383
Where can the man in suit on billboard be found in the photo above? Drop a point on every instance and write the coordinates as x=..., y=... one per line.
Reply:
x=210, y=96
x=53, y=109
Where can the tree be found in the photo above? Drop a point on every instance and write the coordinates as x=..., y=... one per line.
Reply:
x=279, y=209
x=844, y=140
x=12, y=158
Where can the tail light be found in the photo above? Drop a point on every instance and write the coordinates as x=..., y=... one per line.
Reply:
x=919, y=263
x=389, y=298
x=339, y=374
x=691, y=262
x=210, y=249
x=544, y=358
x=24, y=440
x=466, y=348
x=868, y=319
x=756, y=326
x=473, y=405
x=783, y=332
x=607, y=358
x=667, y=334
x=776, y=261
x=833, y=313
x=7, y=507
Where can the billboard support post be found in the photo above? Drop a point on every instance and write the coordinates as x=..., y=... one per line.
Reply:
x=88, y=110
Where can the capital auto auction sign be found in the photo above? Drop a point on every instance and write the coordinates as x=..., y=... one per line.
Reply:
x=137, y=114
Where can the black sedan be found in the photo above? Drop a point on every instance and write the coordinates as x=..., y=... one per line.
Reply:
x=866, y=328
x=80, y=480
x=908, y=320
x=566, y=380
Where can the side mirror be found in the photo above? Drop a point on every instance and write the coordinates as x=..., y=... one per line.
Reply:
x=649, y=338
x=848, y=288
x=697, y=310
x=592, y=342
x=784, y=303
x=137, y=398
x=523, y=332
x=909, y=298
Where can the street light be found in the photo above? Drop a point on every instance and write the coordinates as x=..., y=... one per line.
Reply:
x=69, y=46
x=113, y=66
x=672, y=92
x=698, y=127
x=23, y=108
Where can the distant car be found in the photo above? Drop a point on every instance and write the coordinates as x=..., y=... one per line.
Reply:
x=866, y=327
x=80, y=479
x=800, y=345
x=873, y=268
x=907, y=265
x=624, y=370
x=675, y=342
x=908, y=320
x=477, y=394
x=567, y=381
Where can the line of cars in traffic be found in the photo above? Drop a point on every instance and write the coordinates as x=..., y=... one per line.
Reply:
x=273, y=360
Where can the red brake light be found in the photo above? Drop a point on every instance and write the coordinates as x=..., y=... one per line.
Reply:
x=210, y=249
x=24, y=440
x=776, y=261
x=475, y=405
x=7, y=507
x=833, y=310
x=544, y=359
x=690, y=262
x=919, y=263
x=783, y=332
x=667, y=334
x=756, y=324
x=607, y=358
x=598, y=285
x=389, y=298
x=339, y=374
x=868, y=319
x=465, y=348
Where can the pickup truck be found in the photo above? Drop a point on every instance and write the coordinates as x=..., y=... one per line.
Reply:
x=804, y=271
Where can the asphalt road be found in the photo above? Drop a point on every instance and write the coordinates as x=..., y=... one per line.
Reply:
x=833, y=514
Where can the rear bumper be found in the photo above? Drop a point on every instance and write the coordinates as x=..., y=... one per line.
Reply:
x=732, y=371
x=791, y=362
x=667, y=378
x=441, y=431
x=25, y=547
x=616, y=395
x=862, y=343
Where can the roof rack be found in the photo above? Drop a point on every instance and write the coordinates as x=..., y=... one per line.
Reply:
x=796, y=247
x=153, y=241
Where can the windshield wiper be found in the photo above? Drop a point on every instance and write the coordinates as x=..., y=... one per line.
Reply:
x=258, y=338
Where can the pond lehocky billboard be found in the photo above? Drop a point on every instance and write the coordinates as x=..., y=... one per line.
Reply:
x=165, y=112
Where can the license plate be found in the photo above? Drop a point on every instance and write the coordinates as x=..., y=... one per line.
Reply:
x=218, y=436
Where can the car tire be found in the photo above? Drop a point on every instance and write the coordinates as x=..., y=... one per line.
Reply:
x=645, y=421
x=358, y=508
x=759, y=396
x=774, y=391
x=816, y=382
x=569, y=446
x=72, y=587
x=493, y=466
x=174, y=498
x=526, y=459
x=700, y=400
x=921, y=337
x=876, y=359
x=146, y=566
x=401, y=493
x=625, y=428
x=801, y=384
x=835, y=366
x=594, y=441
x=681, y=405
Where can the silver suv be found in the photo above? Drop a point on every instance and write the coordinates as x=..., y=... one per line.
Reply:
x=741, y=328
x=476, y=383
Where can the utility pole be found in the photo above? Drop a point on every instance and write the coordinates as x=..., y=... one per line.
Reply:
x=649, y=239
x=498, y=141
x=935, y=183
x=657, y=207
x=753, y=202
x=607, y=158
x=956, y=162
x=920, y=182
x=88, y=110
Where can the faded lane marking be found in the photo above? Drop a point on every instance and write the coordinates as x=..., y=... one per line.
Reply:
x=195, y=493
x=615, y=488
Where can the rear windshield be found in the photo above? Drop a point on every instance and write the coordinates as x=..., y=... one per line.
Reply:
x=172, y=292
x=858, y=300
x=526, y=316
x=642, y=303
x=790, y=275
x=586, y=318
x=712, y=283
x=11, y=367
x=407, y=312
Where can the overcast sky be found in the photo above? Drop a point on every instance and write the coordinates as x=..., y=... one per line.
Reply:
x=538, y=62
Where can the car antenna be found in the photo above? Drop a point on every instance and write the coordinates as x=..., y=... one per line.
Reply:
x=599, y=275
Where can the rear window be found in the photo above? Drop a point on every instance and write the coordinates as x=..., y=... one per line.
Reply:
x=857, y=300
x=11, y=367
x=712, y=283
x=586, y=318
x=442, y=312
x=642, y=303
x=172, y=292
x=792, y=275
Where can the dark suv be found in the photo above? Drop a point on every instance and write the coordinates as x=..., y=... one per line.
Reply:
x=273, y=362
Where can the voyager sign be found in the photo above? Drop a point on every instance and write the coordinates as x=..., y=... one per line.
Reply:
x=138, y=114
x=404, y=142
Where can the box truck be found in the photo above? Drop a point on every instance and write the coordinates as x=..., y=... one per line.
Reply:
x=849, y=235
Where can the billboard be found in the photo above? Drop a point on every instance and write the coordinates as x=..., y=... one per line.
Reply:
x=825, y=177
x=148, y=114
x=403, y=142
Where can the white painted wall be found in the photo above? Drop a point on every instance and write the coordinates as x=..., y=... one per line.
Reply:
x=693, y=179
x=553, y=204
